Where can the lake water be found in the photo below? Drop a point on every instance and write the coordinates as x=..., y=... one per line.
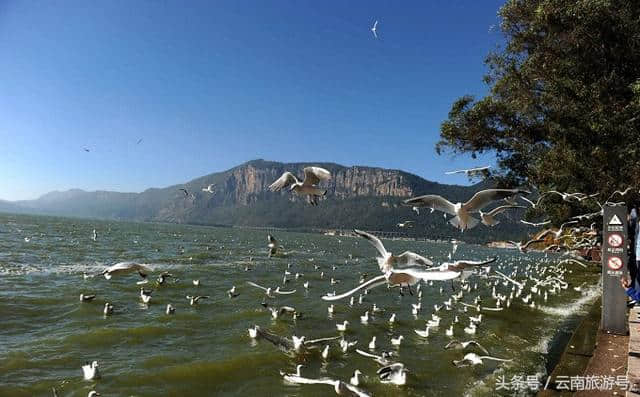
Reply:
x=46, y=334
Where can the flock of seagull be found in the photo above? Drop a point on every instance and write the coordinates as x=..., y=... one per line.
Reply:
x=407, y=273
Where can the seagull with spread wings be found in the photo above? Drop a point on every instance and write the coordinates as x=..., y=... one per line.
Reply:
x=209, y=189
x=341, y=388
x=462, y=211
x=411, y=276
x=471, y=171
x=374, y=29
x=474, y=359
x=125, y=268
x=269, y=291
x=309, y=187
x=488, y=218
x=454, y=344
x=387, y=260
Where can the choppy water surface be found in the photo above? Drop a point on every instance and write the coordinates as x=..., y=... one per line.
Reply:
x=47, y=334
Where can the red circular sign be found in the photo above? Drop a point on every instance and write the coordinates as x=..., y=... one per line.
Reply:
x=615, y=240
x=614, y=263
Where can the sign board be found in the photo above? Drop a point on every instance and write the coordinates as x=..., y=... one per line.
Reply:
x=614, y=266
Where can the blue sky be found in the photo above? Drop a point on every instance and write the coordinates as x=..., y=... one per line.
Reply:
x=209, y=85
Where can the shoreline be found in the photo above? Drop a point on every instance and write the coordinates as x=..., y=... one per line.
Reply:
x=589, y=352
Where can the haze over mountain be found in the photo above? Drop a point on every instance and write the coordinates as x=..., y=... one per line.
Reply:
x=358, y=196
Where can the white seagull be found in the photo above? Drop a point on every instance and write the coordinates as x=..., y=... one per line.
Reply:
x=412, y=276
x=269, y=291
x=90, y=371
x=273, y=245
x=388, y=261
x=462, y=211
x=395, y=373
x=471, y=171
x=374, y=29
x=209, y=189
x=454, y=344
x=309, y=187
x=125, y=268
x=340, y=387
x=474, y=359
x=488, y=218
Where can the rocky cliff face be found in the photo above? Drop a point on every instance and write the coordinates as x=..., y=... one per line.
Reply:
x=247, y=183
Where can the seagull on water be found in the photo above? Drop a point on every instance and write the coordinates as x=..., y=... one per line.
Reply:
x=232, y=292
x=425, y=333
x=395, y=373
x=93, y=393
x=145, y=295
x=309, y=187
x=474, y=359
x=355, y=379
x=462, y=211
x=194, y=300
x=454, y=344
x=125, y=268
x=170, y=309
x=273, y=245
x=86, y=298
x=397, y=341
x=196, y=283
x=342, y=327
x=108, y=309
x=163, y=277
x=90, y=371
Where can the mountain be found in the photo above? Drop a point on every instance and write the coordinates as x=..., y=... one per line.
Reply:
x=363, y=197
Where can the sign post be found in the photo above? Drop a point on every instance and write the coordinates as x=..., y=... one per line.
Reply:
x=614, y=266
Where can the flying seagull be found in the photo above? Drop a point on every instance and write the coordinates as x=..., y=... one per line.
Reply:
x=471, y=171
x=374, y=29
x=185, y=191
x=387, y=260
x=536, y=224
x=474, y=359
x=454, y=344
x=488, y=218
x=411, y=276
x=462, y=211
x=125, y=268
x=209, y=189
x=340, y=387
x=383, y=359
x=139, y=141
x=309, y=187
x=269, y=291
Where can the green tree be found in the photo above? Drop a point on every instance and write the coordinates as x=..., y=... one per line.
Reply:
x=563, y=111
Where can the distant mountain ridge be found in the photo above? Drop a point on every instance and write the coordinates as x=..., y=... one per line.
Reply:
x=357, y=196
